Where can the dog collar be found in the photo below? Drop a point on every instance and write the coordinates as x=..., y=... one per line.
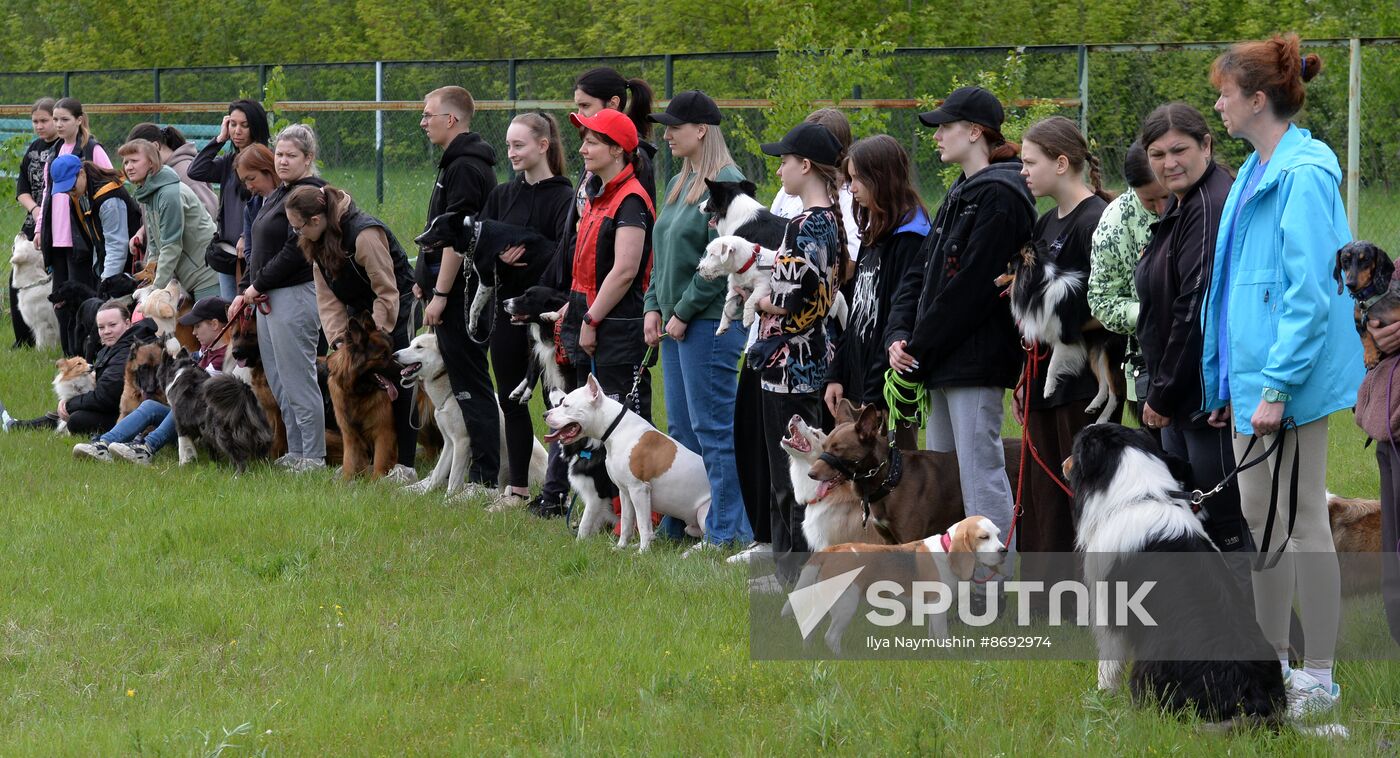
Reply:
x=893, y=474
x=613, y=425
x=49, y=277
x=947, y=542
x=1373, y=299
x=752, y=260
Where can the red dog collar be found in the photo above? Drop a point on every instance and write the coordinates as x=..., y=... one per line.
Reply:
x=947, y=543
x=752, y=260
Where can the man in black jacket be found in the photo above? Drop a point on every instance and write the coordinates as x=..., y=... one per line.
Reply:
x=465, y=176
x=95, y=412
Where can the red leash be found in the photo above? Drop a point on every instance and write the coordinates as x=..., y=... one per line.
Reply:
x=1027, y=379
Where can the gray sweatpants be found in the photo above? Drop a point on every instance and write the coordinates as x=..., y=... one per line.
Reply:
x=287, y=342
x=967, y=421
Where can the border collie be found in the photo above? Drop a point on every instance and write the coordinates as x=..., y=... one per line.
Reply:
x=733, y=210
x=1042, y=300
x=481, y=243
x=1128, y=501
x=537, y=309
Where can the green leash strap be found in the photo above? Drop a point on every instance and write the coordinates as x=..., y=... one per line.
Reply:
x=901, y=393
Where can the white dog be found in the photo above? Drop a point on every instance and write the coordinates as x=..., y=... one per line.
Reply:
x=163, y=307
x=651, y=470
x=34, y=285
x=422, y=362
x=749, y=268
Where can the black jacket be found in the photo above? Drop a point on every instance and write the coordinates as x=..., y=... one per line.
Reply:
x=881, y=268
x=208, y=166
x=545, y=207
x=1172, y=278
x=274, y=259
x=951, y=313
x=464, y=179
x=110, y=368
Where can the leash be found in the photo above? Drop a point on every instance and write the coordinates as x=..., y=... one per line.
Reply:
x=1197, y=498
x=634, y=398
x=902, y=393
x=1032, y=370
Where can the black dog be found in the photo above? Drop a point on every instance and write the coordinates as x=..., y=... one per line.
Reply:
x=220, y=411
x=76, y=304
x=733, y=210
x=538, y=310
x=119, y=287
x=1368, y=273
x=482, y=243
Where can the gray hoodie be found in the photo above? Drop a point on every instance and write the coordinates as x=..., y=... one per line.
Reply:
x=180, y=161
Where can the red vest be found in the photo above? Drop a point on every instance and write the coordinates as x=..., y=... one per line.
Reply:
x=596, y=215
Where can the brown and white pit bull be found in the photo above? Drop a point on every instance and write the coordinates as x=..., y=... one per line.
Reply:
x=911, y=493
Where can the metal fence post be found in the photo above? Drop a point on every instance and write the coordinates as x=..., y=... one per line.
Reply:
x=262, y=82
x=67, y=83
x=379, y=133
x=155, y=80
x=511, y=94
x=1354, y=140
x=1084, y=90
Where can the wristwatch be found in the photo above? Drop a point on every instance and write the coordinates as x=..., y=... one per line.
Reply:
x=439, y=293
x=588, y=319
x=1272, y=395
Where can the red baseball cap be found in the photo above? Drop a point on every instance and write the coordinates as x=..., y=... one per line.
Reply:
x=614, y=124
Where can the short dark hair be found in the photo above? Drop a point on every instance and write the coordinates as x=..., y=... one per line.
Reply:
x=118, y=306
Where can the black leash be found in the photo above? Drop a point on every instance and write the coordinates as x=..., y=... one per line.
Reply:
x=895, y=472
x=1197, y=498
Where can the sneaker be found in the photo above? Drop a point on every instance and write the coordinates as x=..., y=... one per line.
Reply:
x=308, y=464
x=471, y=494
x=767, y=584
x=94, y=450
x=748, y=554
x=135, y=452
x=700, y=548
x=287, y=461
x=511, y=501
x=546, y=508
x=6, y=420
x=401, y=474
x=1306, y=696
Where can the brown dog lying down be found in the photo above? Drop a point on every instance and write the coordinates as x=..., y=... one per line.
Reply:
x=1356, y=532
x=912, y=494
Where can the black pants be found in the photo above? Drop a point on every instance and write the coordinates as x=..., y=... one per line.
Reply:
x=510, y=359
x=66, y=268
x=786, y=517
x=617, y=381
x=1212, y=456
x=555, y=488
x=79, y=422
x=22, y=334
x=471, y=384
x=751, y=455
x=1388, y=459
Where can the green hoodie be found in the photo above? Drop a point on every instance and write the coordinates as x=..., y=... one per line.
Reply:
x=178, y=230
x=678, y=242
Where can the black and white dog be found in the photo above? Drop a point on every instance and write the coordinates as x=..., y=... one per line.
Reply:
x=1129, y=505
x=1043, y=301
x=537, y=309
x=733, y=210
x=220, y=411
x=481, y=242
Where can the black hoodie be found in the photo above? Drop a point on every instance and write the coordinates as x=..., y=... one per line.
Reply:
x=275, y=260
x=110, y=369
x=543, y=206
x=464, y=179
x=957, y=325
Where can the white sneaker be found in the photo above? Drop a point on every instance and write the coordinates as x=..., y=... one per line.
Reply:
x=401, y=474
x=308, y=464
x=6, y=420
x=471, y=494
x=511, y=501
x=700, y=548
x=767, y=584
x=1306, y=695
x=94, y=450
x=287, y=461
x=754, y=550
x=139, y=454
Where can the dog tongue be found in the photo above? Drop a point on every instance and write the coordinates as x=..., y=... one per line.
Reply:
x=553, y=435
x=824, y=487
x=713, y=223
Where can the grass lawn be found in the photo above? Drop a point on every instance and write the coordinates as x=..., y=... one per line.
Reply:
x=180, y=611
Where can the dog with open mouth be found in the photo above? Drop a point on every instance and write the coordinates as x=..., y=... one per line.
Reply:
x=421, y=364
x=653, y=472
x=537, y=309
x=833, y=511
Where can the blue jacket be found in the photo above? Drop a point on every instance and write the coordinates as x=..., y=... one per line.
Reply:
x=1287, y=326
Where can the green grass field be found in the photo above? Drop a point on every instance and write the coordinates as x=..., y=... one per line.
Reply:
x=181, y=611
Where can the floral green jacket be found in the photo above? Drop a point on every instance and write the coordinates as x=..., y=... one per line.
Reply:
x=1122, y=234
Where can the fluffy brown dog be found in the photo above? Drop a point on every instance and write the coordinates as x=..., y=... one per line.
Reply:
x=363, y=384
x=243, y=348
x=1356, y=524
x=142, y=377
x=913, y=493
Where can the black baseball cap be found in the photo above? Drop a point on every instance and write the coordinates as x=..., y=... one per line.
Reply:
x=689, y=107
x=972, y=104
x=807, y=140
x=213, y=307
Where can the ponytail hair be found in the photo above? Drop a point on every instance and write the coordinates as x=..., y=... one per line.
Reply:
x=307, y=201
x=605, y=83
x=543, y=126
x=1057, y=136
x=1274, y=66
x=167, y=135
x=998, y=147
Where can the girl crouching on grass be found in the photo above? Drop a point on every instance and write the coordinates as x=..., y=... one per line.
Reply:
x=791, y=353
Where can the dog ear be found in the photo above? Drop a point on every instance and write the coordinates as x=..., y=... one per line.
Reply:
x=868, y=425
x=962, y=551
x=1337, y=271
x=748, y=188
x=595, y=389
x=845, y=411
x=1385, y=267
x=710, y=184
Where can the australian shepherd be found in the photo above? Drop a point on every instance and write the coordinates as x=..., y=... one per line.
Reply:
x=220, y=411
x=537, y=310
x=1043, y=301
x=1129, y=502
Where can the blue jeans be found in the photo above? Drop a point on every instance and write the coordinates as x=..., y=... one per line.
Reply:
x=228, y=286
x=148, y=413
x=701, y=375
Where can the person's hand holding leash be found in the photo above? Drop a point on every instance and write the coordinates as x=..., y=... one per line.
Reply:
x=651, y=328
x=675, y=329
x=432, y=315
x=900, y=360
x=1268, y=417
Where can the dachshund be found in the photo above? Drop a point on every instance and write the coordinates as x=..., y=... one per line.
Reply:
x=1366, y=270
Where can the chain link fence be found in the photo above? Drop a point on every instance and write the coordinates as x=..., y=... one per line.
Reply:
x=366, y=114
